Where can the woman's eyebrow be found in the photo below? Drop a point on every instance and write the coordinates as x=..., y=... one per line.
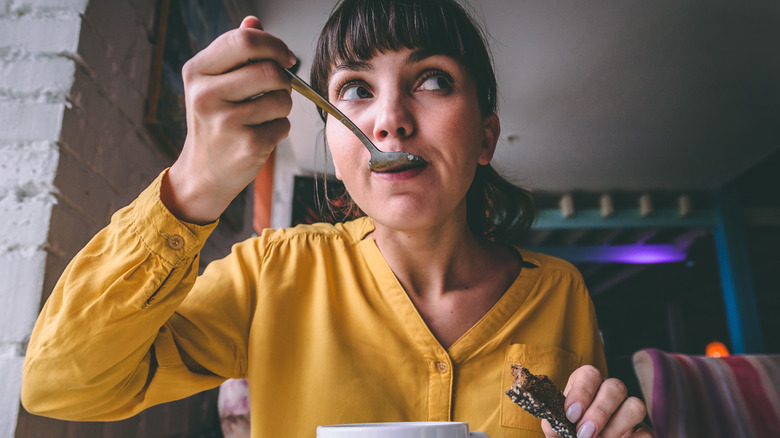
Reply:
x=353, y=65
x=419, y=55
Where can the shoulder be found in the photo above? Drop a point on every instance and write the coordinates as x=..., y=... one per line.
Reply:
x=304, y=244
x=549, y=263
x=554, y=269
x=348, y=232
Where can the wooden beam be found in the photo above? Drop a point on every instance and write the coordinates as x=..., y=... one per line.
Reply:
x=624, y=218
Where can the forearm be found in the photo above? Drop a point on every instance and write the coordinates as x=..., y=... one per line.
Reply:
x=91, y=350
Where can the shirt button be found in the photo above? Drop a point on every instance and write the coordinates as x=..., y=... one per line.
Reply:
x=442, y=367
x=175, y=242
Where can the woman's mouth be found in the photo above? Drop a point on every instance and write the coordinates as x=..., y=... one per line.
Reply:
x=387, y=162
x=398, y=173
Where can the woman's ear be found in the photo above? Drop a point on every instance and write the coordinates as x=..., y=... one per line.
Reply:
x=492, y=127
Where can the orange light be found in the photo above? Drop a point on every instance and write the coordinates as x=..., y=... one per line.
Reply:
x=717, y=349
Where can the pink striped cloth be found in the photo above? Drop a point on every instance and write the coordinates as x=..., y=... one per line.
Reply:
x=699, y=396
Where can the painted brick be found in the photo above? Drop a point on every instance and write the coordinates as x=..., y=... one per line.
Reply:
x=94, y=123
x=87, y=96
x=109, y=16
x=50, y=35
x=55, y=266
x=131, y=165
x=30, y=121
x=25, y=222
x=74, y=5
x=110, y=68
x=126, y=99
x=138, y=64
x=52, y=74
x=84, y=123
x=11, y=383
x=21, y=163
x=70, y=230
x=83, y=190
x=77, y=134
x=21, y=292
x=117, y=14
x=97, y=53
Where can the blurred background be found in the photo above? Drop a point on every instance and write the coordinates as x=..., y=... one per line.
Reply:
x=648, y=132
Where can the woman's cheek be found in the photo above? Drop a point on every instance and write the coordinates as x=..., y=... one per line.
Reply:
x=341, y=159
x=336, y=169
x=333, y=141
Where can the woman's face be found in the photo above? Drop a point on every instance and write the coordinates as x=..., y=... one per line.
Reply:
x=424, y=105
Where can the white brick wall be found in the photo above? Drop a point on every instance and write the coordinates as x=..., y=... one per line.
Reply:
x=36, y=39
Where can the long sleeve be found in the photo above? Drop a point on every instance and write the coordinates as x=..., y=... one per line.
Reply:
x=104, y=345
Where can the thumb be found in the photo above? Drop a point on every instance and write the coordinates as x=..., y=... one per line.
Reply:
x=251, y=22
x=548, y=430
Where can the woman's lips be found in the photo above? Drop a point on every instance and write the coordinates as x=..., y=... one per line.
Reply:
x=395, y=162
x=403, y=173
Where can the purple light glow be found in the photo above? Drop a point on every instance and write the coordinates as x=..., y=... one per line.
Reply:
x=646, y=254
x=632, y=254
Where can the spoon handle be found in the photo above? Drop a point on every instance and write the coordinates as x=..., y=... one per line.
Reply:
x=302, y=87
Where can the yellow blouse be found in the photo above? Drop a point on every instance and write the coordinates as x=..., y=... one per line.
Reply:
x=312, y=316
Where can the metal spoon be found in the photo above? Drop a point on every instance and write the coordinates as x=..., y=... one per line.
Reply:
x=380, y=161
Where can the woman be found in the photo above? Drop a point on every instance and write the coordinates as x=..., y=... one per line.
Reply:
x=414, y=312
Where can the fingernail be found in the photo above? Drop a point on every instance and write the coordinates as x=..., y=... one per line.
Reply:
x=251, y=21
x=574, y=412
x=586, y=431
x=292, y=59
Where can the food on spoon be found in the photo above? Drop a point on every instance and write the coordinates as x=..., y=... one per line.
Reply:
x=539, y=396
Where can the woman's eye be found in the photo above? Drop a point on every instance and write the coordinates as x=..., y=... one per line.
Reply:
x=354, y=92
x=435, y=82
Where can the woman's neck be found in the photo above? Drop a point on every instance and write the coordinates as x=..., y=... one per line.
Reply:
x=453, y=277
x=434, y=261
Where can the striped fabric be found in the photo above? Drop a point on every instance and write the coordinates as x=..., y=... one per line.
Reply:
x=698, y=396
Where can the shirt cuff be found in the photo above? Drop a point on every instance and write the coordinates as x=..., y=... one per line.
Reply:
x=166, y=236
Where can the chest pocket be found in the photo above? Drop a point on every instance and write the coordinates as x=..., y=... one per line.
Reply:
x=557, y=364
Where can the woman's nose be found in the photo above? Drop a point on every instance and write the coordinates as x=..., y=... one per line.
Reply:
x=393, y=119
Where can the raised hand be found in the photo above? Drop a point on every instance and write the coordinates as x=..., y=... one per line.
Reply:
x=237, y=100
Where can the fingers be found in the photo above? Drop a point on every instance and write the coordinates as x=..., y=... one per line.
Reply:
x=611, y=394
x=580, y=391
x=630, y=413
x=548, y=430
x=642, y=431
x=239, y=47
x=602, y=407
x=241, y=85
x=264, y=109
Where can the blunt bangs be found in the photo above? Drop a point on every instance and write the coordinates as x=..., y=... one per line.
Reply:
x=358, y=30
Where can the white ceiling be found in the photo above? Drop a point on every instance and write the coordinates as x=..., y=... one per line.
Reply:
x=607, y=95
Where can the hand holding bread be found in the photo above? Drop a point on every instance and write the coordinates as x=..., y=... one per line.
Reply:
x=590, y=405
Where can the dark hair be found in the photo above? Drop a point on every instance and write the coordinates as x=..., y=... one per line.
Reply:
x=358, y=30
